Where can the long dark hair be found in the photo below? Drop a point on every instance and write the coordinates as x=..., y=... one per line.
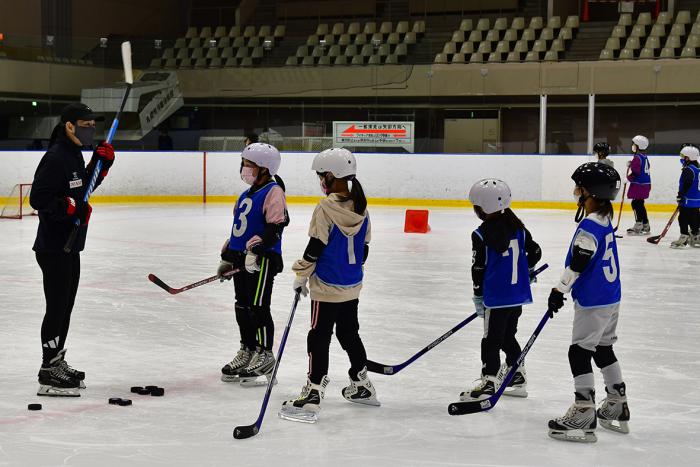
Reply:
x=280, y=182
x=512, y=220
x=55, y=133
x=357, y=196
x=605, y=208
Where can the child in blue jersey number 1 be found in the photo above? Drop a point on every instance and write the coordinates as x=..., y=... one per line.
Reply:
x=254, y=250
x=592, y=275
x=689, y=199
x=503, y=253
x=333, y=266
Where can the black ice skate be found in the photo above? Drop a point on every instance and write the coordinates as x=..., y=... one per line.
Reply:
x=54, y=381
x=579, y=422
x=361, y=391
x=259, y=369
x=614, y=414
x=230, y=373
x=69, y=370
x=305, y=408
x=518, y=385
x=483, y=390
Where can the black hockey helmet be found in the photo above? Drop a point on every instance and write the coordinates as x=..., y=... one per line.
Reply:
x=600, y=180
x=602, y=148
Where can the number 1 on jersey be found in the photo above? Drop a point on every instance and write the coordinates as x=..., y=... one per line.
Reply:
x=515, y=248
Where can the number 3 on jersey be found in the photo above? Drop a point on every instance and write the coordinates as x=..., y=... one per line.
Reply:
x=611, y=270
x=240, y=227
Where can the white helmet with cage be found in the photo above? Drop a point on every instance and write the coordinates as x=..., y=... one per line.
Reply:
x=338, y=161
x=642, y=142
x=491, y=195
x=263, y=155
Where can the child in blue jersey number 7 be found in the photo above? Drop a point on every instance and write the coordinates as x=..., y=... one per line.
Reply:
x=593, y=276
x=503, y=253
x=333, y=266
x=255, y=250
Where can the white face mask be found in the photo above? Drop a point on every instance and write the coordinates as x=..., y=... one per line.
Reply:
x=248, y=175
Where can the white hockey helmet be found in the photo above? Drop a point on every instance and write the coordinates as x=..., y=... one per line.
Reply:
x=691, y=152
x=263, y=155
x=338, y=161
x=642, y=142
x=491, y=195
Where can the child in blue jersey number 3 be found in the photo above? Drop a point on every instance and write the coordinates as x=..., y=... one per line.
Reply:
x=592, y=275
x=253, y=256
x=503, y=254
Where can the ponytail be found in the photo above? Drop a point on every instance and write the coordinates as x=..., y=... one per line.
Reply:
x=513, y=221
x=55, y=133
x=280, y=182
x=357, y=195
x=605, y=208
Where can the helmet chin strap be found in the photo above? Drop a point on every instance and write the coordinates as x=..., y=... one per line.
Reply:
x=581, y=212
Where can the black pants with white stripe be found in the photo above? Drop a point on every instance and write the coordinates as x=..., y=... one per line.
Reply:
x=61, y=273
x=253, y=296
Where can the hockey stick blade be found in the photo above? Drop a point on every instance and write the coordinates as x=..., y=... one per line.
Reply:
x=657, y=238
x=173, y=291
x=247, y=431
x=467, y=407
x=383, y=369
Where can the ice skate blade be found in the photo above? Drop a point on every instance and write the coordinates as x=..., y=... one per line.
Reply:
x=82, y=385
x=576, y=436
x=370, y=402
x=51, y=391
x=465, y=397
x=256, y=382
x=679, y=247
x=515, y=392
x=297, y=414
x=230, y=379
x=623, y=426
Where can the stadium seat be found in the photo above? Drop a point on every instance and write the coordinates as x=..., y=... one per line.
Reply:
x=449, y=48
x=484, y=24
x=374, y=60
x=466, y=24
x=367, y=50
x=693, y=41
x=683, y=17
x=695, y=29
x=551, y=56
x=440, y=58
x=673, y=42
x=334, y=51
x=458, y=37
x=182, y=54
x=280, y=31
x=228, y=52
x=242, y=53
x=235, y=31
x=312, y=40
x=249, y=31
x=619, y=32
x=170, y=63
x=554, y=23
x=626, y=54
x=180, y=43
x=386, y=28
x=358, y=60
x=321, y=29
x=340, y=60
x=370, y=28
x=215, y=63
x=419, y=27
x=257, y=54
x=377, y=38
x=633, y=43
x=186, y=63
x=191, y=33
x=493, y=36
x=476, y=58
x=329, y=40
x=566, y=34
x=324, y=61
x=557, y=46
x=239, y=42
x=230, y=62
x=467, y=48
x=501, y=24
x=344, y=40
x=302, y=51
x=644, y=19
x=224, y=42
x=391, y=60
x=658, y=30
x=606, y=54
x=664, y=18
x=513, y=57
x=518, y=23
x=667, y=52
x=502, y=47
x=485, y=48
x=532, y=57
x=351, y=51
x=338, y=29
x=539, y=46
x=536, y=23
x=678, y=30
x=572, y=22
x=494, y=57
x=475, y=36
x=625, y=20
x=401, y=50
x=653, y=43
x=354, y=29
x=168, y=53
x=394, y=38
x=697, y=18
x=547, y=34
x=646, y=53
x=361, y=39
x=205, y=33
x=521, y=47
x=197, y=53
x=220, y=32
x=291, y=61
x=253, y=42
x=384, y=50
x=688, y=52
x=529, y=35
x=458, y=58
x=308, y=61
x=264, y=31
x=410, y=38
x=638, y=31
x=200, y=63
x=511, y=35
x=402, y=27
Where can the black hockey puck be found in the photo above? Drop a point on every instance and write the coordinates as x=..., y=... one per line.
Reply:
x=115, y=400
x=136, y=389
x=157, y=392
x=151, y=388
x=143, y=392
x=124, y=402
x=34, y=407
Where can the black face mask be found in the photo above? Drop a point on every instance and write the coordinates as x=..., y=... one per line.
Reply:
x=86, y=134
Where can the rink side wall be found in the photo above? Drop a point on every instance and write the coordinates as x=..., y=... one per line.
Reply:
x=395, y=179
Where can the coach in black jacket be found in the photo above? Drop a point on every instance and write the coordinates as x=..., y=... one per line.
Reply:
x=57, y=194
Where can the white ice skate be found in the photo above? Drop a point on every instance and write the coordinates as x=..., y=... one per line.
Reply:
x=682, y=242
x=579, y=422
x=305, y=408
x=614, y=414
x=259, y=369
x=361, y=391
x=486, y=387
x=636, y=229
x=518, y=385
x=695, y=241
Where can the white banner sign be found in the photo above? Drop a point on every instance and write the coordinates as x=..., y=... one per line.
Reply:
x=374, y=134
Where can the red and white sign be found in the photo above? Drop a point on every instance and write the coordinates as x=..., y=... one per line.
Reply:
x=374, y=134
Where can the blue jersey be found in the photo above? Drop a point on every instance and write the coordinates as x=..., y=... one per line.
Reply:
x=599, y=284
x=340, y=263
x=507, y=277
x=644, y=177
x=692, y=197
x=249, y=219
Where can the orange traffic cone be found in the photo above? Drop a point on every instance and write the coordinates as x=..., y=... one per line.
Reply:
x=416, y=221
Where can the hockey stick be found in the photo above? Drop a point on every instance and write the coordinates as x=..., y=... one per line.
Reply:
x=159, y=282
x=246, y=431
x=619, y=215
x=462, y=408
x=129, y=79
x=657, y=238
x=381, y=368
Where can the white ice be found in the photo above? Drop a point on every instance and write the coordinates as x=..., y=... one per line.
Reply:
x=126, y=332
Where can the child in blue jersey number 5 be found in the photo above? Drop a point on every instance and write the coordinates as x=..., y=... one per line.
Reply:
x=503, y=253
x=333, y=266
x=254, y=250
x=592, y=275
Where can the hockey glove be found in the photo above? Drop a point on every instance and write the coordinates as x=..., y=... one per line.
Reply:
x=224, y=267
x=105, y=153
x=78, y=210
x=251, y=263
x=555, y=302
x=680, y=200
x=300, y=285
x=479, y=305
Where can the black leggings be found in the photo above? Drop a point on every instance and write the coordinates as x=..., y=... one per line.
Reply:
x=253, y=295
x=61, y=274
x=343, y=316
x=500, y=326
x=689, y=217
x=640, y=211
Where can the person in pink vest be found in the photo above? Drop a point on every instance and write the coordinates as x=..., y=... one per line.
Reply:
x=639, y=176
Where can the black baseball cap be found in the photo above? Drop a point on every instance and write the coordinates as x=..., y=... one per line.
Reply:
x=79, y=111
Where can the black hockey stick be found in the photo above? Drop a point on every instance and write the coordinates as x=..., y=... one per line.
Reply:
x=129, y=79
x=462, y=408
x=657, y=238
x=381, y=368
x=246, y=431
x=159, y=282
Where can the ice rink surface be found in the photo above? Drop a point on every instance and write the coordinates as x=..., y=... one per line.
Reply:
x=126, y=332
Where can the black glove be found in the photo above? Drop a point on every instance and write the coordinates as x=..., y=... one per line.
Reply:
x=236, y=258
x=680, y=199
x=555, y=302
